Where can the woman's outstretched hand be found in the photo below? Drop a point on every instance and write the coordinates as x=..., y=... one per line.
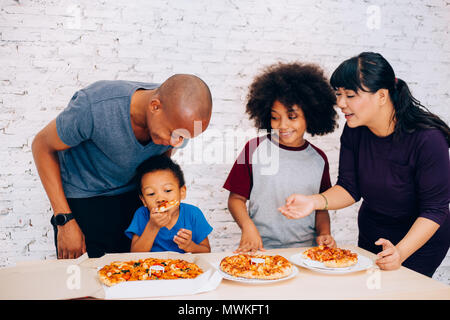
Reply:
x=297, y=206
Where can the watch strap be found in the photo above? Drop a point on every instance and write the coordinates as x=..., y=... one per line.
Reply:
x=67, y=218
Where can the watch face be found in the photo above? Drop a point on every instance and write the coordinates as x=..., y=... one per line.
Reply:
x=60, y=219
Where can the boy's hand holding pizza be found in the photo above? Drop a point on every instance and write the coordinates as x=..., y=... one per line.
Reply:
x=159, y=219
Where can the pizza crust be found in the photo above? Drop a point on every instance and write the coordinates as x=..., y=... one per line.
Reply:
x=341, y=263
x=274, y=276
x=107, y=281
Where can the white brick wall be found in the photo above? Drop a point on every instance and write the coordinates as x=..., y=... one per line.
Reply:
x=49, y=49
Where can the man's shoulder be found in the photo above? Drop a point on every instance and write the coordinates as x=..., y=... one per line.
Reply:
x=111, y=89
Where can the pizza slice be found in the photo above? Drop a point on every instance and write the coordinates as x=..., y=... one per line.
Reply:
x=114, y=273
x=167, y=205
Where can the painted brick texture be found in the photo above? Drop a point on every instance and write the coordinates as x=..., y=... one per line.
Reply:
x=50, y=49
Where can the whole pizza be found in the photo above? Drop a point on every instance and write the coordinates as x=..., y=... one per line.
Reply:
x=147, y=269
x=332, y=257
x=266, y=267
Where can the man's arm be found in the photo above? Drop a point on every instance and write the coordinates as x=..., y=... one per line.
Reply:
x=44, y=148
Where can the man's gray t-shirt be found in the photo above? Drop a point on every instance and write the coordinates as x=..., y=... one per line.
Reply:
x=104, y=151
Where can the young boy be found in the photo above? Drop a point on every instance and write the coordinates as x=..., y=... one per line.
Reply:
x=286, y=100
x=182, y=228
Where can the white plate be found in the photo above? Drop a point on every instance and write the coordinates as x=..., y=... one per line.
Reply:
x=363, y=263
x=256, y=281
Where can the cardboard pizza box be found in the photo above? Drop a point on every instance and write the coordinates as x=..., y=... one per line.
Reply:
x=207, y=281
x=47, y=280
x=77, y=278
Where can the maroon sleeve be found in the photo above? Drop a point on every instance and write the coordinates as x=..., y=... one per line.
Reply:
x=325, y=183
x=240, y=179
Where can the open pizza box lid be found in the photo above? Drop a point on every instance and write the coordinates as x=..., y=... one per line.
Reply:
x=77, y=278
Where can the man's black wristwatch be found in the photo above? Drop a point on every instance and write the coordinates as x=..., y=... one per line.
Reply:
x=61, y=219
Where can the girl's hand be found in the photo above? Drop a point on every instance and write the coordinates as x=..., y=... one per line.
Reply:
x=389, y=258
x=183, y=239
x=250, y=241
x=326, y=240
x=297, y=206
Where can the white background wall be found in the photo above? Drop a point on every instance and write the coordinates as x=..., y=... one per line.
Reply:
x=50, y=49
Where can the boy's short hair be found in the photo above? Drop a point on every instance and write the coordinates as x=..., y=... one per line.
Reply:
x=304, y=85
x=155, y=163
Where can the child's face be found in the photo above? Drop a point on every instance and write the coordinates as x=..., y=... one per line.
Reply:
x=289, y=125
x=160, y=186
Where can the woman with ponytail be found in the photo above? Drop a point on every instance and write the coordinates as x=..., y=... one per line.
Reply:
x=394, y=155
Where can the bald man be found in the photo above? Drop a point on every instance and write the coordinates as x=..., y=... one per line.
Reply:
x=87, y=156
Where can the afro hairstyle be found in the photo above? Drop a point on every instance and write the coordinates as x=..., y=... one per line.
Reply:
x=301, y=84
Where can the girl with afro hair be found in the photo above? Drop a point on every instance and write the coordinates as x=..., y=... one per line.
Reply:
x=285, y=100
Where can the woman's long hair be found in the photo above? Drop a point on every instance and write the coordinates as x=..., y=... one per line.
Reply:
x=370, y=72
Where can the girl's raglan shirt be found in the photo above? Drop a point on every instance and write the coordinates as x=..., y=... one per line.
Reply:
x=266, y=173
x=190, y=218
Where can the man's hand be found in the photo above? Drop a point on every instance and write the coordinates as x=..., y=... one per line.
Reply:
x=70, y=240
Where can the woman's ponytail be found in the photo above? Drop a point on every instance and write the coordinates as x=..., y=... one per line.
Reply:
x=410, y=114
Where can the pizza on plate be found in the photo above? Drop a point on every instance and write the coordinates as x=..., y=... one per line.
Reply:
x=167, y=205
x=265, y=267
x=147, y=269
x=332, y=257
